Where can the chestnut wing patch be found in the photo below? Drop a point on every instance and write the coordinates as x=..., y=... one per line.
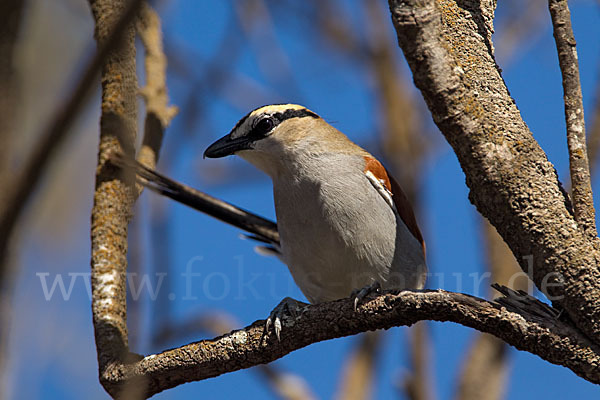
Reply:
x=392, y=193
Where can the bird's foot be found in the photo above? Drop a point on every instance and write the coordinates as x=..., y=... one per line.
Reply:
x=360, y=294
x=286, y=306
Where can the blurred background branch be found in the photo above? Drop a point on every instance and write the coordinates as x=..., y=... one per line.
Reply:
x=356, y=376
x=158, y=117
x=484, y=373
x=54, y=133
x=11, y=13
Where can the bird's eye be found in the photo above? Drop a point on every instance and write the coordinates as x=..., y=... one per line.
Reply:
x=264, y=126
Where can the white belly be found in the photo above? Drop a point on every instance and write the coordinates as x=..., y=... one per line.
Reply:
x=334, y=243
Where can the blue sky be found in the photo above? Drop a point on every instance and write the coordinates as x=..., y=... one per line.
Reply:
x=232, y=277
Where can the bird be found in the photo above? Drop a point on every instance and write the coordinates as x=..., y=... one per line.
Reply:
x=345, y=226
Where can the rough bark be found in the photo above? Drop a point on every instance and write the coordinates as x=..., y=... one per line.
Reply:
x=113, y=197
x=466, y=310
x=551, y=339
x=283, y=384
x=448, y=47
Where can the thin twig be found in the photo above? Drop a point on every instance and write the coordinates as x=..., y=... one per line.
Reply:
x=583, y=200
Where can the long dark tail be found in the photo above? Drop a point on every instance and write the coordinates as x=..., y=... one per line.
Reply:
x=259, y=228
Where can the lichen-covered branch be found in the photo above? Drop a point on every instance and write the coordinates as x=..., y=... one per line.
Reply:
x=114, y=195
x=581, y=186
x=448, y=47
x=284, y=384
x=552, y=340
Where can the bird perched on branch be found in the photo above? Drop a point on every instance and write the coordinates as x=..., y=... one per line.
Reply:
x=344, y=223
x=344, y=226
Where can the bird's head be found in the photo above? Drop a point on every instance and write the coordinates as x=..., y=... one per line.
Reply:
x=274, y=136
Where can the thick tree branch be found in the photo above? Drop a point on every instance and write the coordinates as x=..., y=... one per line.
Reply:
x=581, y=186
x=550, y=339
x=285, y=385
x=114, y=196
x=448, y=47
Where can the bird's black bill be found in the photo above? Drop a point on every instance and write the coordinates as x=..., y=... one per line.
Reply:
x=227, y=146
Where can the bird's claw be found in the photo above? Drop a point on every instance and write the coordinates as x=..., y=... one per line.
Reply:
x=287, y=305
x=360, y=294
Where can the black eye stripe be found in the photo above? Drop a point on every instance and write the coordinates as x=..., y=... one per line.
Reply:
x=294, y=113
x=280, y=116
x=265, y=124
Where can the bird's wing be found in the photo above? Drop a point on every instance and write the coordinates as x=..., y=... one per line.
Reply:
x=393, y=194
